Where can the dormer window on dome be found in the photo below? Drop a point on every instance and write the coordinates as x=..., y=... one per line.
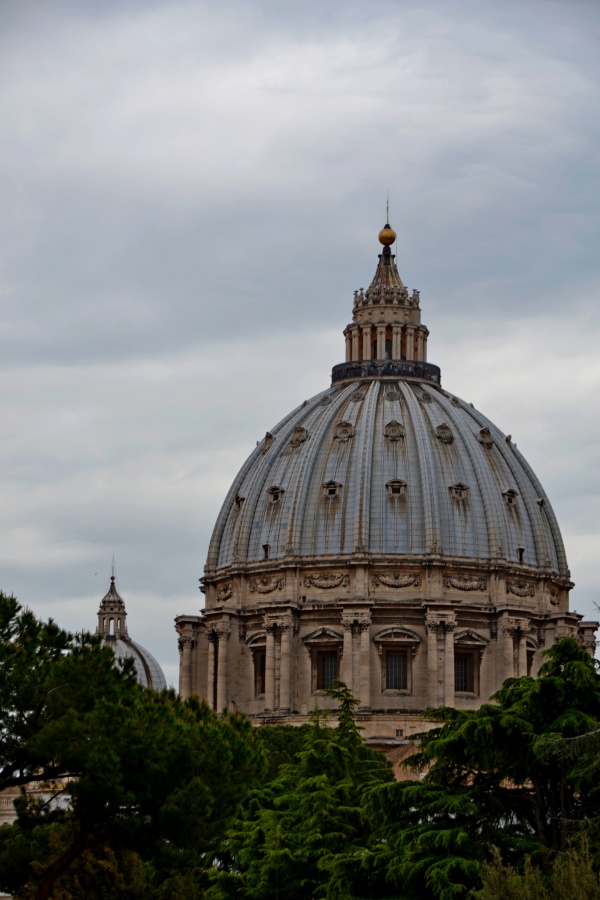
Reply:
x=459, y=491
x=331, y=490
x=485, y=438
x=343, y=432
x=510, y=497
x=393, y=431
x=396, y=488
x=444, y=434
x=275, y=494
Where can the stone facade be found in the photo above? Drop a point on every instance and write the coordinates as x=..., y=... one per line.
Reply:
x=385, y=533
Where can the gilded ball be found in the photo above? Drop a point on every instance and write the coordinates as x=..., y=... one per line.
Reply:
x=387, y=236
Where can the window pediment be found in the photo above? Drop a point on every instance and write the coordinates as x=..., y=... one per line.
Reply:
x=323, y=636
x=468, y=638
x=398, y=634
x=257, y=640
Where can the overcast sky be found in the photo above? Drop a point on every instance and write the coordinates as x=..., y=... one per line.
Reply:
x=191, y=191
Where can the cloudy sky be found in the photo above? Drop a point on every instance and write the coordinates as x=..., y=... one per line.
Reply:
x=192, y=190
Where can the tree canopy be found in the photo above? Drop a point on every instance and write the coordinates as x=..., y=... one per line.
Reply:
x=148, y=796
x=495, y=776
x=132, y=769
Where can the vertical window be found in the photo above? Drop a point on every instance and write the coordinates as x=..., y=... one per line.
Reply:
x=395, y=670
x=260, y=663
x=463, y=673
x=388, y=349
x=327, y=669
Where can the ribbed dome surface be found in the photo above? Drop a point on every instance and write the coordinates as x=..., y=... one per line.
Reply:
x=149, y=673
x=386, y=467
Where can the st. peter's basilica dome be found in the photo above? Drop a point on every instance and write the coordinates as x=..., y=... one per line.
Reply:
x=386, y=533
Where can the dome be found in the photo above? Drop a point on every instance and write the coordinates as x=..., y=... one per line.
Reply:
x=149, y=673
x=112, y=625
x=387, y=466
x=385, y=533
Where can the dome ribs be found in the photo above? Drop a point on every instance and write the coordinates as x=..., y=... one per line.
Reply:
x=486, y=508
x=430, y=511
x=364, y=453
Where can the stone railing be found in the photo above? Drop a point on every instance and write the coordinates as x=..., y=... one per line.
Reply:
x=377, y=368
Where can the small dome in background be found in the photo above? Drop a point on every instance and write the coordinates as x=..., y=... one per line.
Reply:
x=112, y=626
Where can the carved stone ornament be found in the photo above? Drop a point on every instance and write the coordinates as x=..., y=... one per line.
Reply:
x=326, y=580
x=222, y=630
x=357, y=395
x=186, y=643
x=520, y=588
x=439, y=625
x=396, y=580
x=325, y=401
x=268, y=441
x=298, y=437
x=554, y=595
x=394, y=431
x=485, y=438
x=343, y=432
x=391, y=395
x=465, y=583
x=516, y=627
x=224, y=592
x=444, y=434
x=425, y=397
x=267, y=585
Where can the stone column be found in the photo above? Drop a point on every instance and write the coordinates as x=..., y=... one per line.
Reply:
x=522, y=655
x=396, y=342
x=355, y=342
x=440, y=658
x=508, y=649
x=432, y=669
x=186, y=645
x=285, y=670
x=420, y=345
x=366, y=342
x=270, y=668
x=519, y=629
x=424, y=348
x=347, y=673
x=449, y=663
x=348, y=336
x=210, y=680
x=223, y=633
x=365, y=664
x=381, y=342
x=410, y=342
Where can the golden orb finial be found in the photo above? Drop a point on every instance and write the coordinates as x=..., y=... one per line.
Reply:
x=387, y=235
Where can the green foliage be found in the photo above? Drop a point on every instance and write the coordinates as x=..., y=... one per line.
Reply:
x=571, y=877
x=494, y=777
x=282, y=745
x=139, y=771
x=302, y=835
x=164, y=800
